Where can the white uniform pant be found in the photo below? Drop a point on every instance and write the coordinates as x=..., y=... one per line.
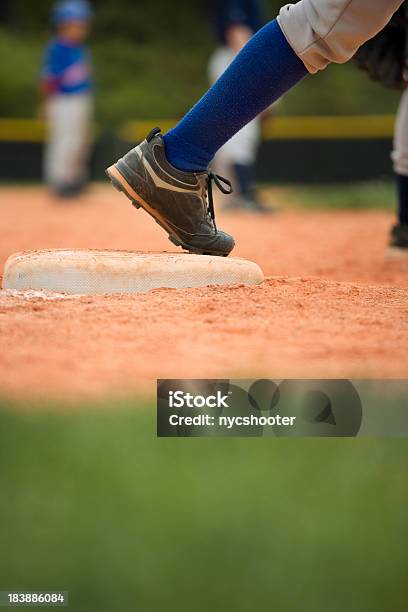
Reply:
x=325, y=31
x=242, y=148
x=68, y=145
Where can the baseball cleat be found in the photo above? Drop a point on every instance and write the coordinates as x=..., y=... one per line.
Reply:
x=180, y=202
x=398, y=247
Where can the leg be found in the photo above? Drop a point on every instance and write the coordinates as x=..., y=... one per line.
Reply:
x=306, y=37
x=168, y=176
x=399, y=236
x=80, y=120
x=68, y=145
x=239, y=155
x=265, y=69
x=55, y=150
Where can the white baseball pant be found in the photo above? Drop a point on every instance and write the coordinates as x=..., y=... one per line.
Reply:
x=325, y=31
x=67, y=151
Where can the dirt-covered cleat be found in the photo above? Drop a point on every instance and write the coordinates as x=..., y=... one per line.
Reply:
x=398, y=247
x=180, y=202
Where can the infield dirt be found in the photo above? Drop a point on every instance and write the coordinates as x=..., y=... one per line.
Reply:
x=331, y=305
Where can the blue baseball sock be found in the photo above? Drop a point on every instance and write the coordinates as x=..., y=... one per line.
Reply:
x=261, y=73
x=402, y=184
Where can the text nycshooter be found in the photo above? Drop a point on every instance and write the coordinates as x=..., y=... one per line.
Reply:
x=252, y=420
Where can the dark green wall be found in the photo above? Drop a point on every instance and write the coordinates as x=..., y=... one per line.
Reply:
x=298, y=161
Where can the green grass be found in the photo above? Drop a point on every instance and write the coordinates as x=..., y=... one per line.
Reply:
x=350, y=196
x=93, y=503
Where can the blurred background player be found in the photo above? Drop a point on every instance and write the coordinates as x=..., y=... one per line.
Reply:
x=66, y=87
x=235, y=22
x=385, y=59
x=399, y=234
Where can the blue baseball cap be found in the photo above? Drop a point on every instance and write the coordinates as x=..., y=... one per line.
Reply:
x=71, y=10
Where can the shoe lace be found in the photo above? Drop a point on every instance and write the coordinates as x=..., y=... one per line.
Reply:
x=223, y=184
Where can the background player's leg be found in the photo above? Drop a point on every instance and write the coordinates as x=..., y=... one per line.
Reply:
x=237, y=159
x=82, y=110
x=402, y=186
x=57, y=154
x=399, y=233
x=265, y=69
x=400, y=158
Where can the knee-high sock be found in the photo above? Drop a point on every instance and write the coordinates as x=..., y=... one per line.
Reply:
x=261, y=73
x=402, y=185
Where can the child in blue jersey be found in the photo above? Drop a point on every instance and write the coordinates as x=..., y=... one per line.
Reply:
x=66, y=86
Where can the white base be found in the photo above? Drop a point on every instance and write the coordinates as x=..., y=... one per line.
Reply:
x=92, y=272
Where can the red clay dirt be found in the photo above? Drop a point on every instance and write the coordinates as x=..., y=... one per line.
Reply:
x=330, y=307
